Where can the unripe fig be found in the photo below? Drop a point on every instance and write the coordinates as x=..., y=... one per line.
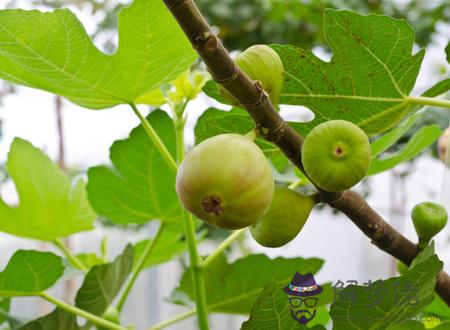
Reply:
x=226, y=181
x=443, y=146
x=336, y=155
x=262, y=63
x=284, y=220
x=429, y=219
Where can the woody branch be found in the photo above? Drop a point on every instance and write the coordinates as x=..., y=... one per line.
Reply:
x=273, y=128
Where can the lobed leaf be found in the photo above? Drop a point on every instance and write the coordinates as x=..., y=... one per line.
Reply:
x=30, y=272
x=387, y=303
x=233, y=288
x=49, y=207
x=141, y=186
x=52, y=51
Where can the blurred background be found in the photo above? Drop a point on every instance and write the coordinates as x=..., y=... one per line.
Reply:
x=77, y=138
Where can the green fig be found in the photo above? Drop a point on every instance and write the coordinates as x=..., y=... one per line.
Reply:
x=262, y=63
x=111, y=315
x=401, y=267
x=284, y=220
x=336, y=155
x=428, y=219
x=226, y=181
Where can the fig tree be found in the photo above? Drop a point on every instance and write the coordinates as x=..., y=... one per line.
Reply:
x=336, y=155
x=429, y=219
x=262, y=63
x=285, y=218
x=226, y=181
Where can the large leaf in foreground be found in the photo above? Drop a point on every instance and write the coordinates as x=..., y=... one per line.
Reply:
x=30, y=272
x=58, y=319
x=271, y=311
x=103, y=283
x=49, y=207
x=52, y=51
x=368, y=79
x=386, y=303
x=141, y=187
x=233, y=288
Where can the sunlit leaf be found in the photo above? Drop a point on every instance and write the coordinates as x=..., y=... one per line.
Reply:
x=49, y=207
x=52, y=51
x=141, y=186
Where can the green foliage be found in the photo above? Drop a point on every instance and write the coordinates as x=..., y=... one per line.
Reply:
x=58, y=319
x=30, y=272
x=141, y=187
x=420, y=141
x=51, y=51
x=49, y=206
x=368, y=78
x=273, y=301
x=386, y=303
x=232, y=288
x=4, y=308
x=103, y=283
x=168, y=246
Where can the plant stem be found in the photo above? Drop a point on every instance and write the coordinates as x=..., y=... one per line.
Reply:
x=140, y=265
x=155, y=138
x=429, y=101
x=76, y=262
x=173, y=320
x=224, y=245
x=82, y=313
x=189, y=227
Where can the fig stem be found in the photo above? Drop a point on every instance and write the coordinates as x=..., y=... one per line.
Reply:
x=423, y=243
x=253, y=134
x=155, y=139
x=73, y=259
x=222, y=247
x=82, y=313
x=196, y=262
x=429, y=101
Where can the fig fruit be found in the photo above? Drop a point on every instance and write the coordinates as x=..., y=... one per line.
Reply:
x=401, y=267
x=262, y=63
x=336, y=155
x=428, y=219
x=226, y=181
x=285, y=218
x=111, y=315
x=443, y=146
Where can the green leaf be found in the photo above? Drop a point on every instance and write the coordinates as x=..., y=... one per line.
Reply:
x=368, y=79
x=386, y=303
x=52, y=51
x=49, y=206
x=167, y=247
x=233, y=288
x=58, y=319
x=103, y=283
x=90, y=259
x=30, y=272
x=439, y=308
x=271, y=311
x=141, y=187
x=390, y=138
x=421, y=140
x=447, y=52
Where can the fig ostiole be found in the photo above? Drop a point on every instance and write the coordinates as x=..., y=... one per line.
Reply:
x=261, y=63
x=429, y=219
x=285, y=218
x=336, y=155
x=226, y=181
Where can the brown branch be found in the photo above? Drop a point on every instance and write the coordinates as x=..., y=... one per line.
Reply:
x=270, y=124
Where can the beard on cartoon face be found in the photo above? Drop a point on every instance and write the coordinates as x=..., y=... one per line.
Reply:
x=303, y=316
